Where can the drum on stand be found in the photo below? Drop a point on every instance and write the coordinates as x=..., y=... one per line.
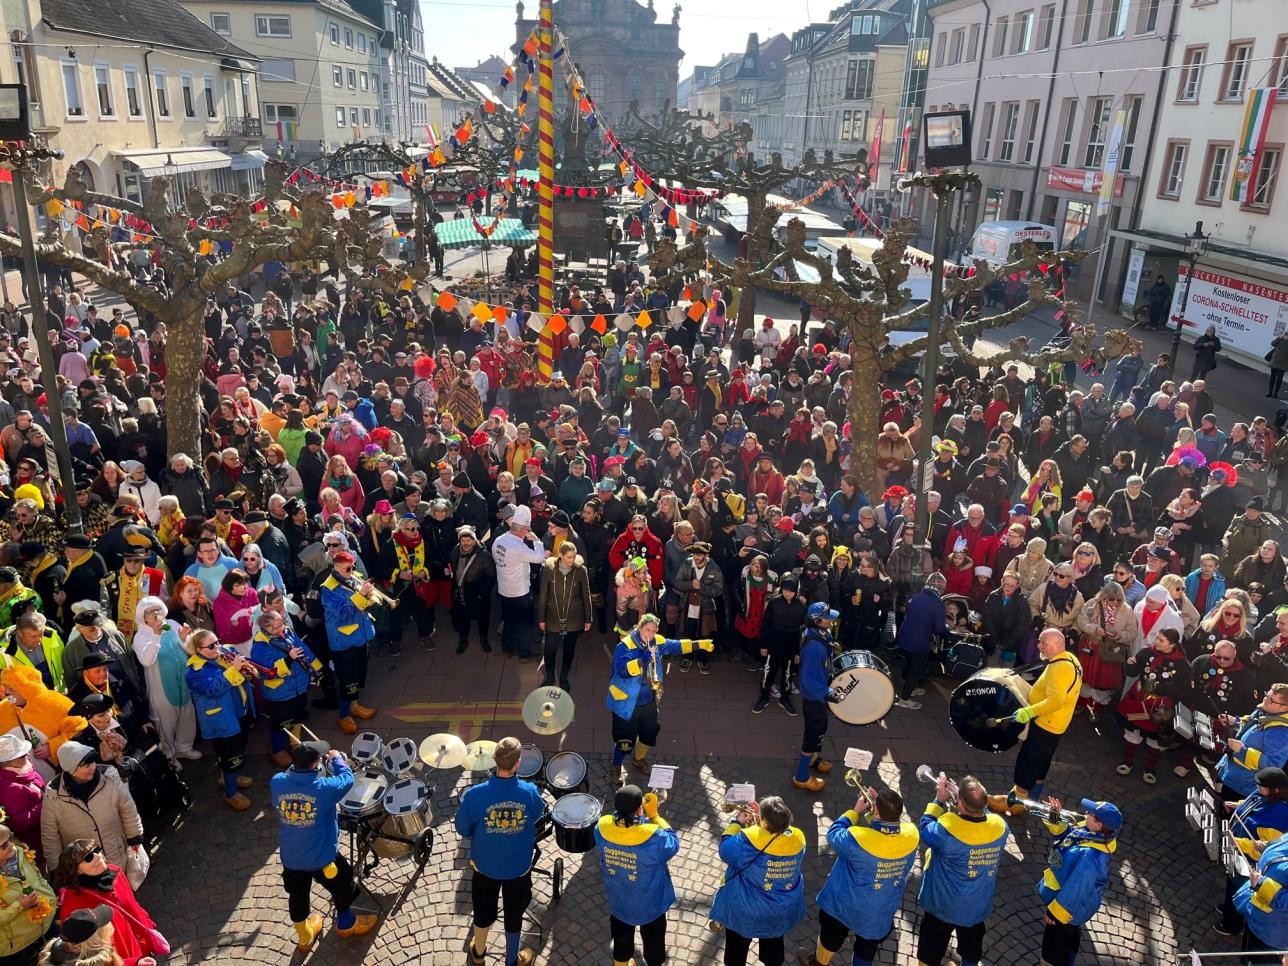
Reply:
x=404, y=829
x=366, y=750
x=862, y=682
x=566, y=773
x=365, y=799
x=531, y=761
x=399, y=756
x=575, y=816
x=978, y=702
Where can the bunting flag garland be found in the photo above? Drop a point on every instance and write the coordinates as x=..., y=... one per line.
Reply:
x=857, y=209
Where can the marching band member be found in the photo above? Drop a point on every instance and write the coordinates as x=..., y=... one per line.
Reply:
x=349, y=628
x=1073, y=884
x=225, y=704
x=640, y=659
x=1255, y=822
x=1261, y=741
x=1263, y=900
x=874, y=855
x=963, y=852
x=762, y=892
x=1052, y=702
x=286, y=691
x=816, y=688
x=500, y=817
x=1162, y=677
x=306, y=801
x=635, y=844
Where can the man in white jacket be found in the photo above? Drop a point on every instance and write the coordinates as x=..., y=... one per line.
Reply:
x=514, y=553
x=136, y=482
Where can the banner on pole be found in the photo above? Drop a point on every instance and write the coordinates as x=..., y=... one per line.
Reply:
x=1252, y=141
x=1109, y=171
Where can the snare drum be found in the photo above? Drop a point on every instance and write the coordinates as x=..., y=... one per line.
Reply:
x=399, y=756
x=566, y=773
x=993, y=692
x=862, y=680
x=407, y=813
x=575, y=817
x=366, y=750
x=531, y=761
x=366, y=797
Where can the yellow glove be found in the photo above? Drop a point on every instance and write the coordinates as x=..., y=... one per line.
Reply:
x=1024, y=715
x=707, y=645
x=650, y=805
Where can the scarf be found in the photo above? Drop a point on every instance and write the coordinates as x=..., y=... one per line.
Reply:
x=410, y=551
x=234, y=473
x=1060, y=598
x=339, y=484
x=1148, y=618
x=81, y=790
x=100, y=883
x=131, y=592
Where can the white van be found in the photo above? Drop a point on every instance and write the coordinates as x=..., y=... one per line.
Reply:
x=998, y=242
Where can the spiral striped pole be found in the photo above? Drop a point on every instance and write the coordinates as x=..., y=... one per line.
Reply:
x=546, y=159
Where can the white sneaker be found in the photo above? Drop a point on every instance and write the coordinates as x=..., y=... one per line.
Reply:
x=918, y=692
x=192, y=754
x=909, y=705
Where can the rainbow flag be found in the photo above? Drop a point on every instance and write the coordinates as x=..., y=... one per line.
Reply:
x=1252, y=140
x=431, y=135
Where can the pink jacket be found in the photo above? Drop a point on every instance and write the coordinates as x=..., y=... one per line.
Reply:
x=232, y=616
x=20, y=797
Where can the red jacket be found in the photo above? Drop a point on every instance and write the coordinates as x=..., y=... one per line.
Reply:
x=628, y=545
x=981, y=542
x=131, y=940
x=771, y=484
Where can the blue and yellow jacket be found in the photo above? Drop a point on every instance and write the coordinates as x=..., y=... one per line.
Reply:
x=959, y=874
x=630, y=663
x=291, y=680
x=762, y=892
x=815, y=676
x=348, y=625
x=1264, y=906
x=874, y=858
x=221, y=696
x=500, y=817
x=1265, y=745
x=1257, y=819
x=1073, y=884
x=632, y=863
x=307, y=814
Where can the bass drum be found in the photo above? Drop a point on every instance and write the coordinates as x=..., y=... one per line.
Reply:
x=575, y=817
x=862, y=681
x=994, y=692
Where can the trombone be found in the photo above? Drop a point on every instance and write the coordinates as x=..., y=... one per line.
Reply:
x=927, y=774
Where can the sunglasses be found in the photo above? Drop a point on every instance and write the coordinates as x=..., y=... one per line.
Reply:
x=1084, y=553
x=1063, y=576
x=207, y=647
x=1232, y=613
x=96, y=850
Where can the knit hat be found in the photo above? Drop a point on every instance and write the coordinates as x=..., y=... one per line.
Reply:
x=72, y=754
x=937, y=582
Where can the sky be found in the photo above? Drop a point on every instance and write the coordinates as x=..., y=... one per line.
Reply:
x=463, y=32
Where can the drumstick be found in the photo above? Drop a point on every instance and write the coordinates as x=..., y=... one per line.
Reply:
x=291, y=734
x=306, y=730
x=997, y=722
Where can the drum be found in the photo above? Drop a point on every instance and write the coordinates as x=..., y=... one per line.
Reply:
x=407, y=814
x=531, y=761
x=566, y=773
x=575, y=816
x=862, y=680
x=366, y=750
x=366, y=797
x=994, y=692
x=399, y=756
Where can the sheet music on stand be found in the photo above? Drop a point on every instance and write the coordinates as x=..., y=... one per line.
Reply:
x=662, y=778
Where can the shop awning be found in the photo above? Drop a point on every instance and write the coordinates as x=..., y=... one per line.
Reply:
x=248, y=160
x=176, y=160
x=460, y=233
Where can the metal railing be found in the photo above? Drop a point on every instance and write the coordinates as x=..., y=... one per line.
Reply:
x=243, y=127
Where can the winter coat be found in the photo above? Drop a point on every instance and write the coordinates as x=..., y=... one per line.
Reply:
x=1045, y=611
x=109, y=817
x=924, y=619
x=17, y=931
x=566, y=595
x=1032, y=574
x=191, y=491
x=1006, y=621
x=21, y=794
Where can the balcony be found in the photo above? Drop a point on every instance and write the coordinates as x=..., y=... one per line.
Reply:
x=242, y=127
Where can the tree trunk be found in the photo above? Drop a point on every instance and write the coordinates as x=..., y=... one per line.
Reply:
x=185, y=350
x=865, y=416
x=747, y=297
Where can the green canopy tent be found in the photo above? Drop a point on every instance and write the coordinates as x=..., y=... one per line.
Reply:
x=460, y=233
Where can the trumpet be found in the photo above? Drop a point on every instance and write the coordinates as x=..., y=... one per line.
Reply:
x=377, y=596
x=1048, y=812
x=927, y=774
x=250, y=668
x=741, y=808
x=854, y=778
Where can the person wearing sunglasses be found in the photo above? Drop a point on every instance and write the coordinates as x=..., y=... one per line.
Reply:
x=86, y=880
x=23, y=889
x=1260, y=740
x=224, y=701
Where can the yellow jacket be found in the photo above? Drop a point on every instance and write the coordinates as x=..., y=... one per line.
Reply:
x=1055, y=694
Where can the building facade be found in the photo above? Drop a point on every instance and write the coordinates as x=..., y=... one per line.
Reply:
x=403, y=67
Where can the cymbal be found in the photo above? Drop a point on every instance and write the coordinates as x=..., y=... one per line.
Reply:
x=442, y=751
x=480, y=755
x=548, y=710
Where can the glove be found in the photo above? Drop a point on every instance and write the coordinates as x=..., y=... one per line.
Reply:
x=706, y=645
x=1025, y=715
x=833, y=696
x=650, y=805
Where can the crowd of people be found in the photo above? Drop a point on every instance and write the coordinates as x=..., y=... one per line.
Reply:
x=686, y=488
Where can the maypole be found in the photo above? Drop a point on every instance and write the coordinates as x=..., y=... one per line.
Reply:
x=546, y=159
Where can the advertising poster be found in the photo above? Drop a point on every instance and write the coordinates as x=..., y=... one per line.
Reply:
x=1247, y=314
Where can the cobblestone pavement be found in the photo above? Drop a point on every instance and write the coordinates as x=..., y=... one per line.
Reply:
x=215, y=884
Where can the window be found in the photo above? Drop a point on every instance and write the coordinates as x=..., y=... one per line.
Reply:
x=1031, y=129
x=1148, y=21
x=366, y=113
x=1215, y=168
x=353, y=116
x=862, y=89
x=1022, y=38
x=339, y=117
x=351, y=76
x=133, y=103
x=222, y=24
x=272, y=26
x=1263, y=191
x=992, y=204
x=278, y=70
x=1116, y=12
x=986, y=132
x=362, y=80
x=1082, y=22
x=972, y=45
x=208, y=88
x=1235, y=81
x=280, y=112
x=846, y=125
x=185, y=87
x=337, y=76
x=335, y=34
x=1187, y=89
x=103, y=87
x=161, y=92
x=25, y=70
x=999, y=37
x=1050, y=204
x=348, y=38
x=1046, y=26
x=71, y=90
x=958, y=46
x=1279, y=69
x=362, y=43
x=377, y=117
x=1128, y=152
x=1010, y=124
x=1014, y=205
x=1068, y=124
x=1099, y=112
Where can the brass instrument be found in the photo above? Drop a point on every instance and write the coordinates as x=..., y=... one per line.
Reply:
x=1048, y=812
x=927, y=774
x=377, y=596
x=653, y=671
x=741, y=808
x=854, y=778
x=250, y=668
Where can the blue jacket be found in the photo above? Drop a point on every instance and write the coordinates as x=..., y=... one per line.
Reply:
x=1265, y=745
x=1215, y=592
x=630, y=663
x=212, y=577
x=962, y=859
x=1073, y=884
x=348, y=625
x=308, y=816
x=365, y=413
x=499, y=817
x=762, y=893
x=1127, y=373
x=291, y=680
x=846, y=517
x=221, y=696
x=924, y=619
x=632, y=863
x=815, y=674
x=866, y=885
x=1260, y=820
x=1265, y=906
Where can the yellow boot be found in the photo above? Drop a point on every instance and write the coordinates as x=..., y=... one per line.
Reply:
x=307, y=932
x=639, y=760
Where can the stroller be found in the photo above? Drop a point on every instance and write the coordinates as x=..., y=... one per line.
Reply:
x=959, y=653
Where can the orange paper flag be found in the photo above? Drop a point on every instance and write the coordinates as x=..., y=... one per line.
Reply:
x=557, y=324
x=599, y=324
x=446, y=301
x=500, y=314
x=697, y=310
x=482, y=312
x=644, y=320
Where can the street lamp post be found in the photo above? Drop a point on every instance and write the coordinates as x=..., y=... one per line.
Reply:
x=1196, y=246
